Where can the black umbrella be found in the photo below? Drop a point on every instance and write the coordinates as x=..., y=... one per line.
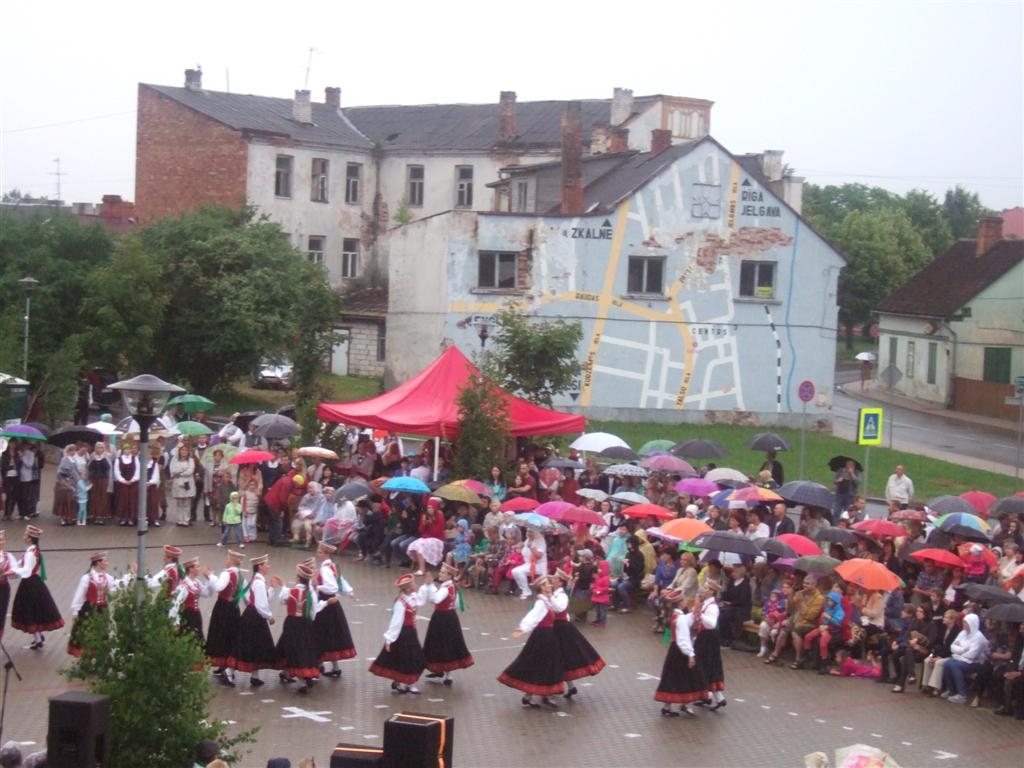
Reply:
x=939, y=538
x=807, y=493
x=562, y=464
x=838, y=462
x=834, y=533
x=987, y=593
x=1011, y=612
x=1012, y=504
x=723, y=541
x=699, y=449
x=287, y=410
x=767, y=441
x=963, y=531
x=947, y=505
x=274, y=426
x=620, y=452
x=242, y=420
x=70, y=435
x=776, y=547
x=353, y=491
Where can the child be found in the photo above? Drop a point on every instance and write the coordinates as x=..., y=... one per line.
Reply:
x=462, y=545
x=82, y=488
x=774, y=616
x=232, y=517
x=218, y=496
x=847, y=667
x=600, y=593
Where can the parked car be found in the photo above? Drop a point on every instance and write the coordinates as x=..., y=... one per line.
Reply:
x=273, y=374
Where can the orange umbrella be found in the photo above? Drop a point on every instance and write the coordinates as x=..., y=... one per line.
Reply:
x=683, y=529
x=641, y=511
x=867, y=574
x=754, y=494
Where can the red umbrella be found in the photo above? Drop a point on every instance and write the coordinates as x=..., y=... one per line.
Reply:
x=551, y=508
x=867, y=574
x=968, y=553
x=251, y=457
x=683, y=529
x=475, y=486
x=941, y=557
x=520, y=504
x=880, y=528
x=980, y=500
x=910, y=514
x=802, y=545
x=573, y=514
x=641, y=511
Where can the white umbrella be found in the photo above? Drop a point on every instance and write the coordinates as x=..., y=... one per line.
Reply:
x=866, y=356
x=316, y=452
x=596, y=442
x=626, y=470
x=628, y=497
x=592, y=493
x=103, y=427
x=726, y=473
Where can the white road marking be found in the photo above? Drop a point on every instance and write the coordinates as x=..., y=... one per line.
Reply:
x=245, y=693
x=347, y=728
x=364, y=605
x=229, y=722
x=793, y=714
x=381, y=706
x=490, y=695
x=741, y=701
x=765, y=706
x=819, y=720
x=877, y=735
x=645, y=676
x=369, y=735
x=435, y=700
x=266, y=701
x=613, y=666
x=847, y=728
x=355, y=622
x=485, y=634
x=316, y=717
x=562, y=714
x=942, y=755
x=633, y=735
x=907, y=743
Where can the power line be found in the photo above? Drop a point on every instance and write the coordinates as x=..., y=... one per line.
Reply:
x=911, y=178
x=66, y=122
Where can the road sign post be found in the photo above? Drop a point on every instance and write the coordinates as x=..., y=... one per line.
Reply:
x=869, y=432
x=806, y=393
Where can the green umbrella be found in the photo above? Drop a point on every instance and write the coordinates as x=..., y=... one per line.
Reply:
x=655, y=446
x=816, y=564
x=192, y=403
x=193, y=428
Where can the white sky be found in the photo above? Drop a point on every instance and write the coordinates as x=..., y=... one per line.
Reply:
x=901, y=95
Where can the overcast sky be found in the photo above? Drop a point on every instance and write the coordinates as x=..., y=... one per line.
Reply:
x=901, y=95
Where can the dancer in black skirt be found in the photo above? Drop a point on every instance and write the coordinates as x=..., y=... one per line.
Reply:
x=34, y=611
x=8, y=563
x=223, y=632
x=579, y=658
x=254, y=649
x=185, y=604
x=297, y=647
x=680, y=682
x=334, y=639
x=401, y=658
x=537, y=670
x=92, y=596
x=706, y=644
x=444, y=647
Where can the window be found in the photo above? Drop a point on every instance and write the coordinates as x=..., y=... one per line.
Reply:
x=414, y=185
x=318, y=194
x=646, y=274
x=757, y=279
x=997, y=365
x=892, y=351
x=353, y=172
x=497, y=270
x=522, y=193
x=283, y=176
x=463, y=186
x=350, y=257
x=382, y=346
x=933, y=361
x=315, y=252
x=911, y=354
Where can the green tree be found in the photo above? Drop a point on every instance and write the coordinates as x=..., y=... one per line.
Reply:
x=56, y=389
x=533, y=358
x=483, y=428
x=962, y=210
x=826, y=207
x=927, y=218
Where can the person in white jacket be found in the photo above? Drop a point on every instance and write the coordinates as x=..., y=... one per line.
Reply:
x=92, y=595
x=970, y=650
x=254, y=649
x=680, y=682
x=535, y=562
x=401, y=659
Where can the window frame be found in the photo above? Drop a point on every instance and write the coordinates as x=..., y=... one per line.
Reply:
x=319, y=180
x=933, y=362
x=644, y=290
x=353, y=183
x=996, y=360
x=758, y=267
x=283, y=177
x=911, y=359
x=463, y=186
x=417, y=186
x=316, y=255
x=498, y=257
x=349, y=255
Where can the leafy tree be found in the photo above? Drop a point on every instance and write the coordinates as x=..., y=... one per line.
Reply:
x=827, y=207
x=483, y=428
x=56, y=389
x=533, y=358
x=927, y=218
x=962, y=209
x=159, y=693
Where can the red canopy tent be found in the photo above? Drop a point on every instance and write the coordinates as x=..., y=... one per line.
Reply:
x=426, y=405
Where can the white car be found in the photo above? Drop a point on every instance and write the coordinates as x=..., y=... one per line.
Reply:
x=274, y=375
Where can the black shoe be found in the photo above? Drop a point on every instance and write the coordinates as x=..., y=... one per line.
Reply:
x=570, y=692
x=435, y=674
x=394, y=685
x=255, y=682
x=448, y=681
x=225, y=680
x=666, y=712
x=304, y=689
x=702, y=703
x=549, y=703
x=1002, y=711
x=285, y=678
x=718, y=705
x=529, y=702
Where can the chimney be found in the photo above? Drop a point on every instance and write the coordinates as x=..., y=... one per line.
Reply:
x=661, y=139
x=990, y=232
x=620, y=140
x=771, y=164
x=622, y=105
x=194, y=79
x=332, y=97
x=302, y=108
x=507, y=131
x=572, y=159
x=599, y=139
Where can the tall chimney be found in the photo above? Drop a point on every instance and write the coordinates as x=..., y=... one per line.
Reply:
x=302, y=108
x=507, y=131
x=990, y=232
x=572, y=159
x=194, y=79
x=661, y=139
x=332, y=97
x=620, y=140
x=622, y=105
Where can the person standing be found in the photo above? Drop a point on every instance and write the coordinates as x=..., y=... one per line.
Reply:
x=154, y=485
x=34, y=611
x=98, y=472
x=91, y=596
x=223, y=633
x=254, y=648
x=232, y=519
x=779, y=523
x=680, y=682
x=64, y=488
x=444, y=647
x=8, y=563
x=126, y=489
x=773, y=465
x=579, y=658
x=846, y=481
x=9, y=463
x=535, y=562
x=334, y=639
x=899, y=488
x=706, y=646
x=297, y=647
x=30, y=470
x=538, y=670
x=401, y=659
x=183, y=484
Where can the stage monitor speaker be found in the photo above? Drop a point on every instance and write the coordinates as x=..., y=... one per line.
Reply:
x=77, y=736
x=357, y=756
x=417, y=740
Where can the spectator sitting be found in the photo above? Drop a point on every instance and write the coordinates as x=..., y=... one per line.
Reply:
x=847, y=667
x=10, y=755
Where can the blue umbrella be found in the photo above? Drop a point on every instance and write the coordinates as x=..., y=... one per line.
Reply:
x=535, y=520
x=407, y=484
x=721, y=498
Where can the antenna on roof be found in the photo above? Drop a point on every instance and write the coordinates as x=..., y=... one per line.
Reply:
x=227, y=79
x=309, y=65
x=58, y=173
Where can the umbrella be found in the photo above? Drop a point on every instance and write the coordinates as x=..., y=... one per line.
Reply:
x=551, y=508
x=910, y=514
x=353, y=491
x=533, y=520
x=1012, y=504
x=816, y=564
x=475, y=486
x=802, y=545
x=242, y=420
x=458, y=493
x=227, y=449
x=807, y=493
x=725, y=558
x=699, y=449
x=192, y=428
x=620, y=452
x=754, y=494
x=628, y=497
x=23, y=432
x=723, y=541
x=251, y=457
x=783, y=563
x=666, y=463
x=767, y=441
x=347, y=467
x=963, y=521
x=316, y=452
x=406, y=485
x=641, y=511
x=274, y=426
x=573, y=514
x=130, y=426
x=70, y=435
x=838, y=462
x=595, y=442
x=980, y=500
x=562, y=464
x=40, y=426
x=682, y=529
x=775, y=547
x=696, y=486
x=592, y=493
x=968, y=554
x=721, y=498
x=103, y=427
x=192, y=403
x=719, y=474
x=835, y=534
x=865, y=356
x=947, y=505
x=941, y=557
x=656, y=446
x=626, y=470
x=867, y=574
x=1011, y=612
x=987, y=593
x=520, y=504
x=879, y=528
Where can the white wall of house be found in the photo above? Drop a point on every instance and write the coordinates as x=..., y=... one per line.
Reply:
x=922, y=351
x=996, y=320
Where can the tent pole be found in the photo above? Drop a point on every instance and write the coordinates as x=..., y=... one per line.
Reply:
x=437, y=455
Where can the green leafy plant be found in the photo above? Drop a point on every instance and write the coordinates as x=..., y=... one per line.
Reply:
x=483, y=428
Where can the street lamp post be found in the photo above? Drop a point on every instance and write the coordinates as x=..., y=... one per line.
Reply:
x=145, y=398
x=28, y=284
x=484, y=333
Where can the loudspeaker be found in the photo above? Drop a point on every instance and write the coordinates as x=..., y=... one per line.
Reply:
x=414, y=740
x=77, y=734
x=356, y=756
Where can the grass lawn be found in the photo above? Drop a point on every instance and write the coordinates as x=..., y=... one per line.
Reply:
x=860, y=344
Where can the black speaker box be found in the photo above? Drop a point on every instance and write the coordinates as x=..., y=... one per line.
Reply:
x=77, y=734
x=415, y=740
x=356, y=756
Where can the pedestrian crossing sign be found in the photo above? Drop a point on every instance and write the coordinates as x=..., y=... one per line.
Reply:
x=869, y=426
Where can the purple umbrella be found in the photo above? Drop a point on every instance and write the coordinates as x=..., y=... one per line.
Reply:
x=23, y=432
x=697, y=486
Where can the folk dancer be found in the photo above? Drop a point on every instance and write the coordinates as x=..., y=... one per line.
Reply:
x=254, y=648
x=223, y=632
x=297, y=648
x=92, y=595
x=8, y=563
x=171, y=572
x=34, y=611
x=680, y=682
x=579, y=657
x=538, y=669
x=444, y=647
x=334, y=639
x=401, y=659
x=184, y=610
x=706, y=645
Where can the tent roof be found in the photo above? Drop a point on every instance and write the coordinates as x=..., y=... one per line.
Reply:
x=426, y=405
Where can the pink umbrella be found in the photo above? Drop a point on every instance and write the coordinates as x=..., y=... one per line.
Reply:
x=802, y=545
x=573, y=514
x=697, y=486
x=475, y=486
x=666, y=462
x=520, y=504
x=980, y=500
x=551, y=508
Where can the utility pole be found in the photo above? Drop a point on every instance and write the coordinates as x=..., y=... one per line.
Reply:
x=58, y=174
x=309, y=65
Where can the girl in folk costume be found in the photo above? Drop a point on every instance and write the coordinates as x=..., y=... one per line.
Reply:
x=153, y=486
x=8, y=563
x=171, y=572
x=254, y=649
x=98, y=472
x=34, y=611
x=579, y=658
x=223, y=632
x=184, y=609
x=706, y=645
x=680, y=682
x=334, y=639
x=401, y=658
x=537, y=670
x=126, y=485
x=297, y=650
x=92, y=596
x=444, y=647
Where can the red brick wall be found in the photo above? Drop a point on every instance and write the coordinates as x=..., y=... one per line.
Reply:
x=184, y=160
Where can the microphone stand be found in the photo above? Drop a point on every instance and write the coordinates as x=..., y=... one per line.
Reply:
x=8, y=666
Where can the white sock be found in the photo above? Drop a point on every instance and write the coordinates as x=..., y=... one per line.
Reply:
x=719, y=696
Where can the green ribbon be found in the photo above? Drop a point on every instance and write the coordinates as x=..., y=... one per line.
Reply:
x=461, y=600
x=307, y=609
x=181, y=571
x=42, y=567
x=666, y=637
x=243, y=587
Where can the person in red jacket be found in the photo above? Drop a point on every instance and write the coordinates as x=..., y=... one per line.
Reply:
x=278, y=499
x=429, y=546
